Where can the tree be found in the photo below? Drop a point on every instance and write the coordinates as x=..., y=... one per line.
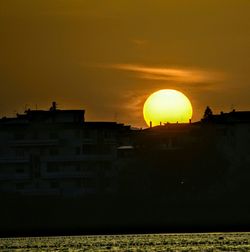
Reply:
x=208, y=113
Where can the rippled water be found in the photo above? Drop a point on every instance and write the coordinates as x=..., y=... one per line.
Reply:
x=145, y=242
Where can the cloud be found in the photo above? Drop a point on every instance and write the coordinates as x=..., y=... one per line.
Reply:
x=139, y=42
x=171, y=74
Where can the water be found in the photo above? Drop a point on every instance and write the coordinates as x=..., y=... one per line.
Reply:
x=147, y=242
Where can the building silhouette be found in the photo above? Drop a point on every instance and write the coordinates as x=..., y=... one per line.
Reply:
x=56, y=152
x=62, y=174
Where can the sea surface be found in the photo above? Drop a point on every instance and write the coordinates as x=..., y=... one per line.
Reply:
x=141, y=242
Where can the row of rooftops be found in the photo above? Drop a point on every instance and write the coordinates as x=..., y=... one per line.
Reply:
x=55, y=115
x=42, y=116
x=58, y=116
x=231, y=117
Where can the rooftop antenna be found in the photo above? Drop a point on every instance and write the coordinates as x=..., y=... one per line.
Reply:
x=115, y=116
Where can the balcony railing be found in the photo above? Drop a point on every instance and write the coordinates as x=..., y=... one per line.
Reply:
x=63, y=174
x=41, y=191
x=83, y=157
x=11, y=160
x=34, y=142
x=14, y=176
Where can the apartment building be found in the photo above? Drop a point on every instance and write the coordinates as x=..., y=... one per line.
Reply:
x=56, y=152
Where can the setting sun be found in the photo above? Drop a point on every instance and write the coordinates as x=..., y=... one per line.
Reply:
x=167, y=106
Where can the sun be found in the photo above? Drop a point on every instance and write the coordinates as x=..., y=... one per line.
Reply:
x=167, y=106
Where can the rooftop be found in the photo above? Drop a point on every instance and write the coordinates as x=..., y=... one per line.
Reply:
x=231, y=117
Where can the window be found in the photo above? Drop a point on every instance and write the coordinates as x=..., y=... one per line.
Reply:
x=86, y=134
x=18, y=136
x=89, y=149
x=108, y=182
x=54, y=184
x=20, y=152
x=35, y=135
x=53, y=135
x=20, y=186
x=108, y=134
x=106, y=149
x=78, y=150
x=20, y=170
x=79, y=183
x=106, y=165
x=222, y=132
x=42, y=151
x=87, y=166
x=77, y=133
x=53, y=151
x=53, y=167
x=89, y=182
x=77, y=167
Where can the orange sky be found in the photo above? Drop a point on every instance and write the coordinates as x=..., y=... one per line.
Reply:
x=107, y=56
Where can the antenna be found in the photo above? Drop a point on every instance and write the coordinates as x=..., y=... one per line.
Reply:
x=115, y=116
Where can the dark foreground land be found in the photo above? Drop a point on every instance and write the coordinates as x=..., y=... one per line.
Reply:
x=149, y=242
x=55, y=216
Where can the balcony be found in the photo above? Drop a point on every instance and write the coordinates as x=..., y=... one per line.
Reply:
x=34, y=142
x=73, y=192
x=77, y=158
x=64, y=174
x=41, y=191
x=11, y=160
x=14, y=176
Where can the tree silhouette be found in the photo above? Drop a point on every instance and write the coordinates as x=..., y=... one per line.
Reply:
x=208, y=113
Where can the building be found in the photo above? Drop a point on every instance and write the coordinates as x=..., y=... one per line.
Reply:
x=232, y=132
x=98, y=176
x=206, y=159
x=56, y=152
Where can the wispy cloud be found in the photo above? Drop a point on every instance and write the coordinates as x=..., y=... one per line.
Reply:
x=139, y=42
x=170, y=74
